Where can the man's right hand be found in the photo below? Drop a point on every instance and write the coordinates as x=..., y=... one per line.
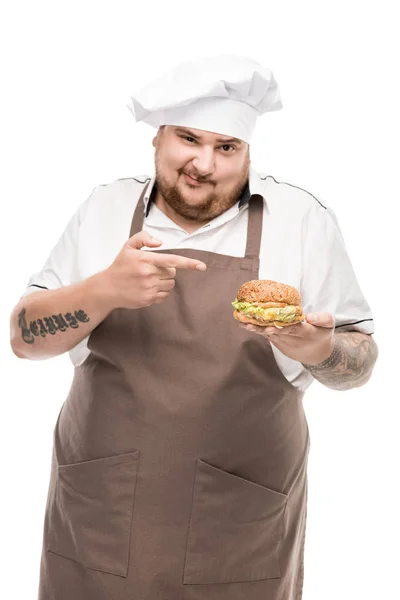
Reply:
x=139, y=278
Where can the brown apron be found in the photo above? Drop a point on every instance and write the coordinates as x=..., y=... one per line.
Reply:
x=179, y=468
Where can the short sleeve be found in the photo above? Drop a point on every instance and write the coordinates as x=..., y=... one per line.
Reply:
x=329, y=283
x=60, y=266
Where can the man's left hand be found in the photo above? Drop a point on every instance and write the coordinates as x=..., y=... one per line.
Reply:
x=309, y=342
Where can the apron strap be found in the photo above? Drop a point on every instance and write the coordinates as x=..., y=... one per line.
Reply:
x=254, y=227
x=138, y=216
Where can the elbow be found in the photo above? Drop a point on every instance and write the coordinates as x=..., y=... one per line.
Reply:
x=13, y=334
x=17, y=352
x=15, y=344
x=357, y=383
x=20, y=352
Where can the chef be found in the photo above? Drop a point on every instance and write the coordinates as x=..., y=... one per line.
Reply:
x=179, y=468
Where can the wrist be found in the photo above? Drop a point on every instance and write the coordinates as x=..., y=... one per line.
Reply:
x=101, y=289
x=327, y=362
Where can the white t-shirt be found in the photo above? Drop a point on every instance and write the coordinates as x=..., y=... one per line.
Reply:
x=301, y=245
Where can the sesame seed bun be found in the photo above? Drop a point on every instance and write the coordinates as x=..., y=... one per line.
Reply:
x=266, y=290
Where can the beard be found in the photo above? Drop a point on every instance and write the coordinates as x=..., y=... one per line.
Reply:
x=210, y=207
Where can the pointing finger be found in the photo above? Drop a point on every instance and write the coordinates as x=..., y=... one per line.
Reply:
x=175, y=261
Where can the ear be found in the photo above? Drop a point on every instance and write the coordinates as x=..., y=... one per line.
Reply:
x=157, y=137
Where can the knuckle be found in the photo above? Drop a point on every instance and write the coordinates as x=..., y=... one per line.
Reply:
x=150, y=297
x=145, y=269
x=151, y=285
x=141, y=256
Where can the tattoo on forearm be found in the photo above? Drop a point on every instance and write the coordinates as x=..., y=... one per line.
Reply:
x=350, y=364
x=49, y=325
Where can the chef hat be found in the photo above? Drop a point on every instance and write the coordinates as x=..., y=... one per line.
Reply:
x=224, y=94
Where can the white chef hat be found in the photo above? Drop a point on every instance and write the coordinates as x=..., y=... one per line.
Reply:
x=224, y=94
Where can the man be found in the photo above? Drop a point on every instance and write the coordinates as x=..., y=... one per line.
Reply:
x=179, y=468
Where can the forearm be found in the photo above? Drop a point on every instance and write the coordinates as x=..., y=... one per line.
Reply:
x=351, y=363
x=50, y=322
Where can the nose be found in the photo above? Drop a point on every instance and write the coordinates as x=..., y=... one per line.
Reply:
x=204, y=161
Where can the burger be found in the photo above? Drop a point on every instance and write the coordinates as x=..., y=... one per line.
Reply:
x=268, y=303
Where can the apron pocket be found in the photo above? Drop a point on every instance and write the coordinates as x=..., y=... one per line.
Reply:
x=236, y=529
x=91, y=513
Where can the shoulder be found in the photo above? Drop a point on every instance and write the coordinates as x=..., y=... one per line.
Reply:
x=113, y=197
x=289, y=197
x=120, y=188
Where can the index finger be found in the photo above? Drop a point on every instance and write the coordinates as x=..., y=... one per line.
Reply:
x=176, y=261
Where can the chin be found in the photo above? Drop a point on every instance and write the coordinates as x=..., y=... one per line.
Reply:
x=193, y=193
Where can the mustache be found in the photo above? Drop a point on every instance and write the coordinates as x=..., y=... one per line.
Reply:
x=197, y=177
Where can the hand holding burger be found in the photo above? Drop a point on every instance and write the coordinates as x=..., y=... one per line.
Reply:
x=274, y=310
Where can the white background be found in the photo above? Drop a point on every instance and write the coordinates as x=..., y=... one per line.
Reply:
x=67, y=70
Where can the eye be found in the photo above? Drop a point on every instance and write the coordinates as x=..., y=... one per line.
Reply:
x=187, y=138
x=228, y=146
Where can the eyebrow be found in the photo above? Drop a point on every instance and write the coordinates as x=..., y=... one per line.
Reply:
x=196, y=137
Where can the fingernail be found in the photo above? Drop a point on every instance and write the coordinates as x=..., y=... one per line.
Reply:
x=313, y=317
x=201, y=267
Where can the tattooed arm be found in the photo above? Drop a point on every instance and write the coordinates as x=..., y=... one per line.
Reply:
x=351, y=363
x=50, y=322
x=340, y=361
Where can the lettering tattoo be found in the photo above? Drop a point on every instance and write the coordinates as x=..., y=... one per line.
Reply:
x=351, y=363
x=49, y=325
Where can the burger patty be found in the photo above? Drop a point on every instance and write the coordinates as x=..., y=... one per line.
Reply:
x=276, y=305
x=272, y=317
x=259, y=321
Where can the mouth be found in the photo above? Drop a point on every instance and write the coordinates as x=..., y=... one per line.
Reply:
x=193, y=182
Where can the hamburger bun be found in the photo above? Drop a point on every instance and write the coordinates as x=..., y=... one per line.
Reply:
x=266, y=290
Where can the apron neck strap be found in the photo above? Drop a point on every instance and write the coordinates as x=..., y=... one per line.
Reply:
x=254, y=226
x=138, y=217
